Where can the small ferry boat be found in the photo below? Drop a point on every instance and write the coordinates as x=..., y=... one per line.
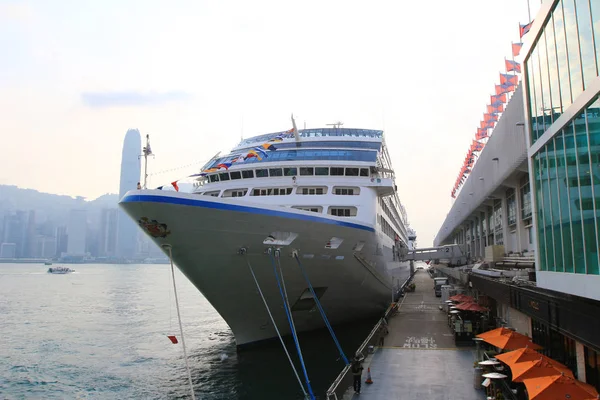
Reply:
x=60, y=270
x=48, y=262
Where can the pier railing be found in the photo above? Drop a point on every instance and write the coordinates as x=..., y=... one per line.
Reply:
x=344, y=380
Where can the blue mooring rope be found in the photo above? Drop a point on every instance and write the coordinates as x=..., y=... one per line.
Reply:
x=322, y=311
x=292, y=328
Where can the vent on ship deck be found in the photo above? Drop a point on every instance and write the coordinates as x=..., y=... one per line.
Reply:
x=306, y=301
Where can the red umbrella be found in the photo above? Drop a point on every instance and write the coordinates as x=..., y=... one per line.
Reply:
x=470, y=306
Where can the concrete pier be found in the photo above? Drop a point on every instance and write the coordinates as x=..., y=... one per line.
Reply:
x=418, y=359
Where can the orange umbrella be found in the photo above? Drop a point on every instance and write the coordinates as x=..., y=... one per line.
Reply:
x=510, y=341
x=470, y=306
x=536, y=369
x=558, y=387
x=494, y=333
x=525, y=354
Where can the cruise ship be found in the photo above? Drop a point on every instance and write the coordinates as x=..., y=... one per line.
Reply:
x=320, y=201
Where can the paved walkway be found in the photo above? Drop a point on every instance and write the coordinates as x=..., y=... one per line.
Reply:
x=419, y=359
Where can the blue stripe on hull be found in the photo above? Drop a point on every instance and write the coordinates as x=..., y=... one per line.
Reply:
x=135, y=198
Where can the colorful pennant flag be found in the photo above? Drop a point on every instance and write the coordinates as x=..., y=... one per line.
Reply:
x=224, y=165
x=523, y=29
x=175, y=185
x=268, y=146
x=509, y=79
x=498, y=98
x=516, y=49
x=512, y=66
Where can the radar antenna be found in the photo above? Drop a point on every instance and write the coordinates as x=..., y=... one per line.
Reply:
x=336, y=125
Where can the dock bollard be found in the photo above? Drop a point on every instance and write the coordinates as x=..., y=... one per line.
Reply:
x=369, y=380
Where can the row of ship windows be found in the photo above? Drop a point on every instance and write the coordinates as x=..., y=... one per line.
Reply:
x=386, y=210
x=386, y=227
x=290, y=171
x=333, y=210
x=309, y=190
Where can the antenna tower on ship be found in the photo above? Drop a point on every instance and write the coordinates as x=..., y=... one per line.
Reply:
x=336, y=125
x=146, y=151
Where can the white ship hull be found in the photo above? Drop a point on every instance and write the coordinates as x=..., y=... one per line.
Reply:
x=206, y=234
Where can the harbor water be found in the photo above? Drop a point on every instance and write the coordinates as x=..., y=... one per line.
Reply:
x=101, y=333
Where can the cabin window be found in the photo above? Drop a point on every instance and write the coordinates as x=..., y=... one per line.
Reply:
x=235, y=192
x=235, y=175
x=346, y=191
x=351, y=171
x=262, y=173
x=214, y=178
x=248, y=174
x=343, y=211
x=311, y=190
x=224, y=176
x=364, y=172
x=275, y=172
x=321, y=171
x=290, y=171
x=272, y=192
x=307, y=171
x=337, y=171
x=316, y=209
x=214, y=193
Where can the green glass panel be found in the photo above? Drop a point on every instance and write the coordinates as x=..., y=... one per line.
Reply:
x=594, y=136
x=563, y=199
x=574, y=196
x=557, y=243
x=544, y=74
x=532, y=100
x=538, y=127
x=587, y=194
x=573, y=48
x=544, y=171
x=586, y=41
x=561, y=54
x=541, y=238
x=553, y=73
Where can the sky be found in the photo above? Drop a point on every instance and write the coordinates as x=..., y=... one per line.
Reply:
x=199, y=75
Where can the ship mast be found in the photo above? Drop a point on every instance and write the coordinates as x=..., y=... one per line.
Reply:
x=146, y=151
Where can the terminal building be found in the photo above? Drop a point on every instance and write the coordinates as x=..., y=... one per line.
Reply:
x=530, y=207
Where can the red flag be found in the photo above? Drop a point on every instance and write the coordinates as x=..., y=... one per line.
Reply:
x=516, y=49
x=499, y=98
x=523, y=29
x=512, y=66
x=506, y=79
x=173, y=339
x=175, y=185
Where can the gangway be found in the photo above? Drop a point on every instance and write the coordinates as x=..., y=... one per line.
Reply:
x=452, y=253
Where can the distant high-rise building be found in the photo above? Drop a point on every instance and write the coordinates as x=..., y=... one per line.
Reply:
x=61, y=240
x=130, y=176
x=30, y=236
x=14, y=231
x=108, y=232
x=76, y=231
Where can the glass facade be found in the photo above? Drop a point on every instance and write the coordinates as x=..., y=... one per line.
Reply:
x=566, y=174
x=563, y=62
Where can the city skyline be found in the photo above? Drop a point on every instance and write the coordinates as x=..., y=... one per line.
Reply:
x=130, y=177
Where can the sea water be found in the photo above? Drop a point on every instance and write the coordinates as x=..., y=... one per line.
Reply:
x=101, y=333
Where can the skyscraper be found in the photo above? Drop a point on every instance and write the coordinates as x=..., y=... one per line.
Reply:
x=108, y=232
x=130, y=176
x=76, y=229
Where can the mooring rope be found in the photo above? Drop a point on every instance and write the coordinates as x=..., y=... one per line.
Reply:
x=187, y=364
x=292, y=328
x=318, y=303
x=276, y=329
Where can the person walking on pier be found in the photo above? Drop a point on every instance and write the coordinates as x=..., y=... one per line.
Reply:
x=357, y=369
